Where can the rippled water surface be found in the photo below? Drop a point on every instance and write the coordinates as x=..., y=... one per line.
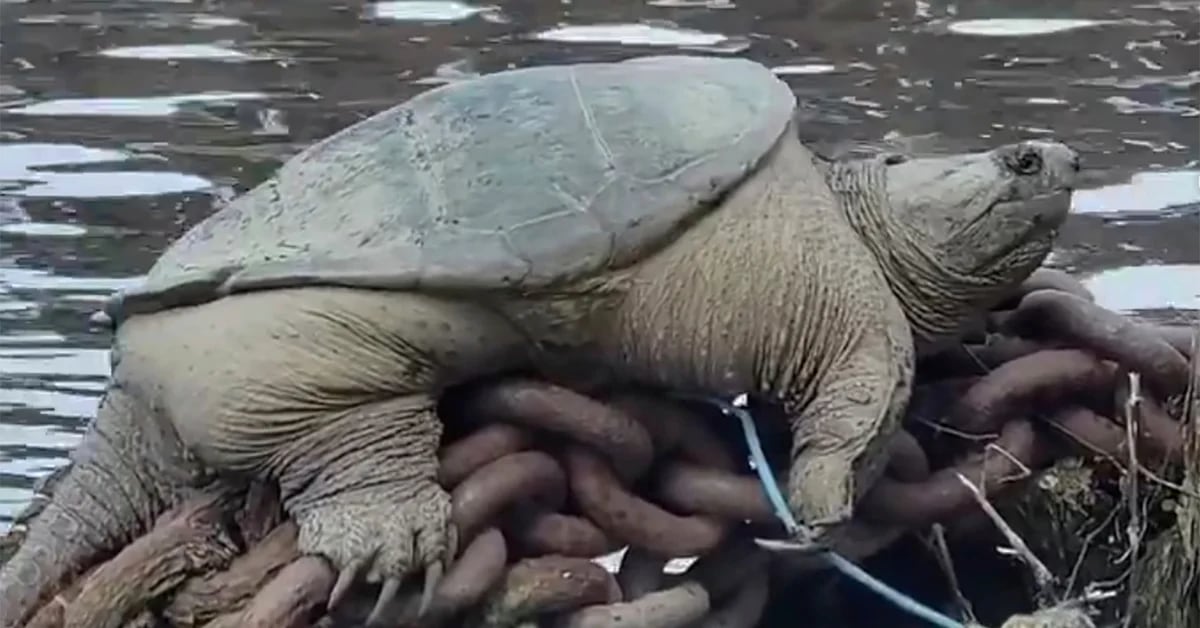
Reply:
x=125, y=122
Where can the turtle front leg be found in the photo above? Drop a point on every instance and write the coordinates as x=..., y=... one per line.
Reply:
x=838, y=438
x=362, y=488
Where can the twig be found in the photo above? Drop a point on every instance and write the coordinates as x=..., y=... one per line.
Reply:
x=946, y=429
x=1119, y=465
x=1023, y=470
x=1087, y=544
x=1134, y=529
x=1165, y=483
x=941, y=551
x=1041, y=575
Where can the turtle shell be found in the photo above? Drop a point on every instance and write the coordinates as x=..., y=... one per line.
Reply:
x=519, y=179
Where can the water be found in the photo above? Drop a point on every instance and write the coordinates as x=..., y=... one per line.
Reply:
x=124, y=122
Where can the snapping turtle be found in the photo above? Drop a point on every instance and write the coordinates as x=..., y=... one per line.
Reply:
x=657, y=216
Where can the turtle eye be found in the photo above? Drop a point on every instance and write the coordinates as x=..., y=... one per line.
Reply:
x=1028, y=161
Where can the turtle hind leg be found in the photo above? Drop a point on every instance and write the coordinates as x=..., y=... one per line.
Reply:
x=362, y=488
x=124, y=473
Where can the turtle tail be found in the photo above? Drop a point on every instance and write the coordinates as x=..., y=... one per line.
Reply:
x=117, y=484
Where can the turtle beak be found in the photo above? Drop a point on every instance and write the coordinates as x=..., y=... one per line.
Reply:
x=1043, y=214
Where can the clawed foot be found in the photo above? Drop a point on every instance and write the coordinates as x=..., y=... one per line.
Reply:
x=380, y=538
x=821, y=495
x=820, y=502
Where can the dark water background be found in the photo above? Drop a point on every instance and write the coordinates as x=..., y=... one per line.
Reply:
x=123, y=123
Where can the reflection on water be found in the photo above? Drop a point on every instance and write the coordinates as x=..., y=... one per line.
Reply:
x=1017, y=27
x=147, y=107
x=126, y=122
x=1175, y=191
x=645, y=35
x=179, y=51
x=1148, y=287
x=427, y=11
x=197, y=21
x=37, y=171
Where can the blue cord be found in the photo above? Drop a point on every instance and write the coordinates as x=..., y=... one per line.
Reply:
x=849, y=569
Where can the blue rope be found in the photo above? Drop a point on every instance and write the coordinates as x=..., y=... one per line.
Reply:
x=771, y=487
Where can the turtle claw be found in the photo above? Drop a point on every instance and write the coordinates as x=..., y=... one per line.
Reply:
x=387, y=594
x=790, y=546
x=376, y=538
x=433, y=577
x=344, y=581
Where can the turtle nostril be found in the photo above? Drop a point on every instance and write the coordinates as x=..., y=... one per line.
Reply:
x=1075, y=163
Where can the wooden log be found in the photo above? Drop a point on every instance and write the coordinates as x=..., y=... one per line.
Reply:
x=203, y=598
x=294, y=598
x=192, y=539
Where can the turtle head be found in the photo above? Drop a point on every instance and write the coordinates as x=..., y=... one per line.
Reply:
x=955, y=233
x=989, y=214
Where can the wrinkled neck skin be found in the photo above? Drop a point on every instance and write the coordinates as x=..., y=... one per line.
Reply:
x=937, y=298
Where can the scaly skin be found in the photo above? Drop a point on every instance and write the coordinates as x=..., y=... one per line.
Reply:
x=808, y=286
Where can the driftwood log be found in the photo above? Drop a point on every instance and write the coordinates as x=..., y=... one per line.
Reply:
x=545, y=479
